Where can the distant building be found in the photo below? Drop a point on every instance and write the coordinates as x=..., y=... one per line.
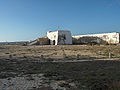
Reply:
x=64, y=37
x=110, y=38
x=59, y=37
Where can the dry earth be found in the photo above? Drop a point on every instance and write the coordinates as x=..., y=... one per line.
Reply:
x=61, y=51
x=47, y=67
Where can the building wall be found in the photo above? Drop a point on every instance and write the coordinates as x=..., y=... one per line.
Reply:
x=39, y=41
x=60, y=37
x=53, y=36
x=110, y=38
x=64, y=38
x=42, y=41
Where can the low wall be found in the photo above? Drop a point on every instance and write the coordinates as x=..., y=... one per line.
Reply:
x=110, y=38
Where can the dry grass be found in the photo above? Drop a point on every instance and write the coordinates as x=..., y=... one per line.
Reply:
x=63, y=51
x=17, y=61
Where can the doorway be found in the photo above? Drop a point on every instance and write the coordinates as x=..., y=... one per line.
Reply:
x=53, y=42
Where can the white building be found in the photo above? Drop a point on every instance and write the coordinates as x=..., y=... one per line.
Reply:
x=59, y=37
x=110, y=38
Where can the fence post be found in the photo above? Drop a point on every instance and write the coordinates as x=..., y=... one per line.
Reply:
x=110, y=55
x=78, y=56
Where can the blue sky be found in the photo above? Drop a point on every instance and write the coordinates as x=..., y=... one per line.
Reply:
x=22, y=20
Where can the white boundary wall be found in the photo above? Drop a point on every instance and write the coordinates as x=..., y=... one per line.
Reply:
x=111, y=38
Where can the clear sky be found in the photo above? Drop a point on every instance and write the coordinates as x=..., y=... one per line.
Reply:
x=30, y=19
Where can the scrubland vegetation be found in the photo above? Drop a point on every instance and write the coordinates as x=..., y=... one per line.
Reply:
x=34, y=64
x=61, y=51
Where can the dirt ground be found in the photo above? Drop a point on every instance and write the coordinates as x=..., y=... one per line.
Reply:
x=60, y=52
x=25, y=74
x=68, y=67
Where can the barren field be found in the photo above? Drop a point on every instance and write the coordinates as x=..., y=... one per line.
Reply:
x=36, y=67
x=60, y=52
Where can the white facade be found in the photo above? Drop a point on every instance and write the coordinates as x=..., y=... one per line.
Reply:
x=60, y=37
x=110, y=38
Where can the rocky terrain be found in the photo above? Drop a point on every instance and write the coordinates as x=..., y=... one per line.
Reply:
x=59, y=67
